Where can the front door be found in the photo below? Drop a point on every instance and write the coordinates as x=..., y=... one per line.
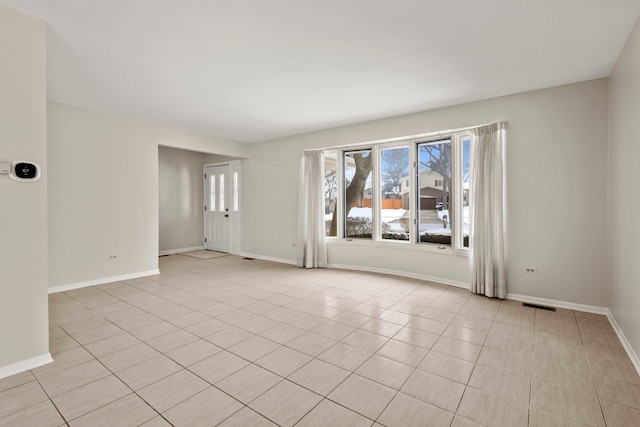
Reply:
x=217, y=196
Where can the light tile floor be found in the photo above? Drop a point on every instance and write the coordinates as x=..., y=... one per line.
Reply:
x=236, y=342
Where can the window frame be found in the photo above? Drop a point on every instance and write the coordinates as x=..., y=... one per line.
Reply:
x=413, y=243
x=343, y=193
x=377, y=174
x=416, y=190
x=457, y=168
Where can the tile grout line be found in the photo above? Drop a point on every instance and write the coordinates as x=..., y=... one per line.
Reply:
x=325, y=319
x=114, y=373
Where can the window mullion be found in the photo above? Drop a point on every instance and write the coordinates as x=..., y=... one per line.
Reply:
x=376, y=203
x=454, y=208
x=340, y=199
x=413, y=185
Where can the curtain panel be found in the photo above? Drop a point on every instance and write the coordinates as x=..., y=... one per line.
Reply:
x=312, y=247
x=487, y=213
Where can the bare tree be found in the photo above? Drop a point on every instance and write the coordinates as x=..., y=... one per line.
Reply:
x=395, y=164
x=330, y=189
x=355, y=189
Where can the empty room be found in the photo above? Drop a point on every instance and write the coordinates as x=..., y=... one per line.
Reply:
x=305, y=213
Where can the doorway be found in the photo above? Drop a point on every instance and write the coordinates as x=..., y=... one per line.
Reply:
x=222, y=207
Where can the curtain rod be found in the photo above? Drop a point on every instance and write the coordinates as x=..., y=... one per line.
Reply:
x=401, y=138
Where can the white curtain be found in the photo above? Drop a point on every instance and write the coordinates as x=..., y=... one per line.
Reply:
x=487, y=213
x=312, y=248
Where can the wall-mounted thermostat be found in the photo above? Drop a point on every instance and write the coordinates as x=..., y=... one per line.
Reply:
x=22, y=170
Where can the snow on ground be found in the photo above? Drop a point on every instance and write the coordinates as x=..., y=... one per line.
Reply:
x=360, y=213
x=388, y=215
x=392, y=217
x=465, y=214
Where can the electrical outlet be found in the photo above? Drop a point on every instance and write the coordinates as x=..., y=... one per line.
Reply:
x=531, y=270
x=112, y=257
x=293, y=244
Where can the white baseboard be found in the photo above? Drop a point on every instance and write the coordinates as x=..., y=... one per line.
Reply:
x=559, y=304
x=625, y=343
x=177, y=251
x=25, y=365
x=268, y=258
x=401, y=273
x=102, y=281
x=370, y=269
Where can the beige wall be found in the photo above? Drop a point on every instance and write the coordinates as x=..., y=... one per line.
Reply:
x=181, y=194
x=103, y=191
x=623, y=206
x=214, y=158
x=556, y=175
x=23, y=206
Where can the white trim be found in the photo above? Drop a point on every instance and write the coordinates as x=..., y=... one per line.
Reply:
x=402, y=138
x=625, y=343
x=369, y=269
x=404, y=245
x=559, y=304
x=402, y=273
x=103, y=281
x=25, y=365
x=268, y=258
x=235, y=217
x=178, y=251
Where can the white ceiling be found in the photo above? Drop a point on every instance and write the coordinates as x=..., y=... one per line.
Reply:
x=254, y=70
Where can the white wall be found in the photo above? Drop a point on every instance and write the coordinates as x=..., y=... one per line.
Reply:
x=23, y=206
x=556, y=174
x=103, y=191
x=623, y=276
x=181, y=194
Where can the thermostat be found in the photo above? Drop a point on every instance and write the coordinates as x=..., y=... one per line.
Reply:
x=22, y=170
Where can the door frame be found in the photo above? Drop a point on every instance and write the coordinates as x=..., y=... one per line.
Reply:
x=234, y=223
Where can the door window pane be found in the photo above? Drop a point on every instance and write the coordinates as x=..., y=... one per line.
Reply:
x=434, y=190
x=235, y=192
x=358, y=194
x=212, y=193
x=394, y=193
x=221, y=193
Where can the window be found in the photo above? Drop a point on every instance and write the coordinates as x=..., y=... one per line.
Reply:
x=410, y=191
x=465, y=179
x=434, y=190
x=394, y=203
x=358, y=203
x=331, y=193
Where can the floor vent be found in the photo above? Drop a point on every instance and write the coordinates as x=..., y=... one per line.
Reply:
x=541, y=307
x=248, y=259
x=163, y=255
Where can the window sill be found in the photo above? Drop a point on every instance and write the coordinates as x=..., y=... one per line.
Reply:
x=396, y=245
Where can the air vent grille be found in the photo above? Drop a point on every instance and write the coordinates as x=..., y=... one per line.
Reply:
x=541, y=307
